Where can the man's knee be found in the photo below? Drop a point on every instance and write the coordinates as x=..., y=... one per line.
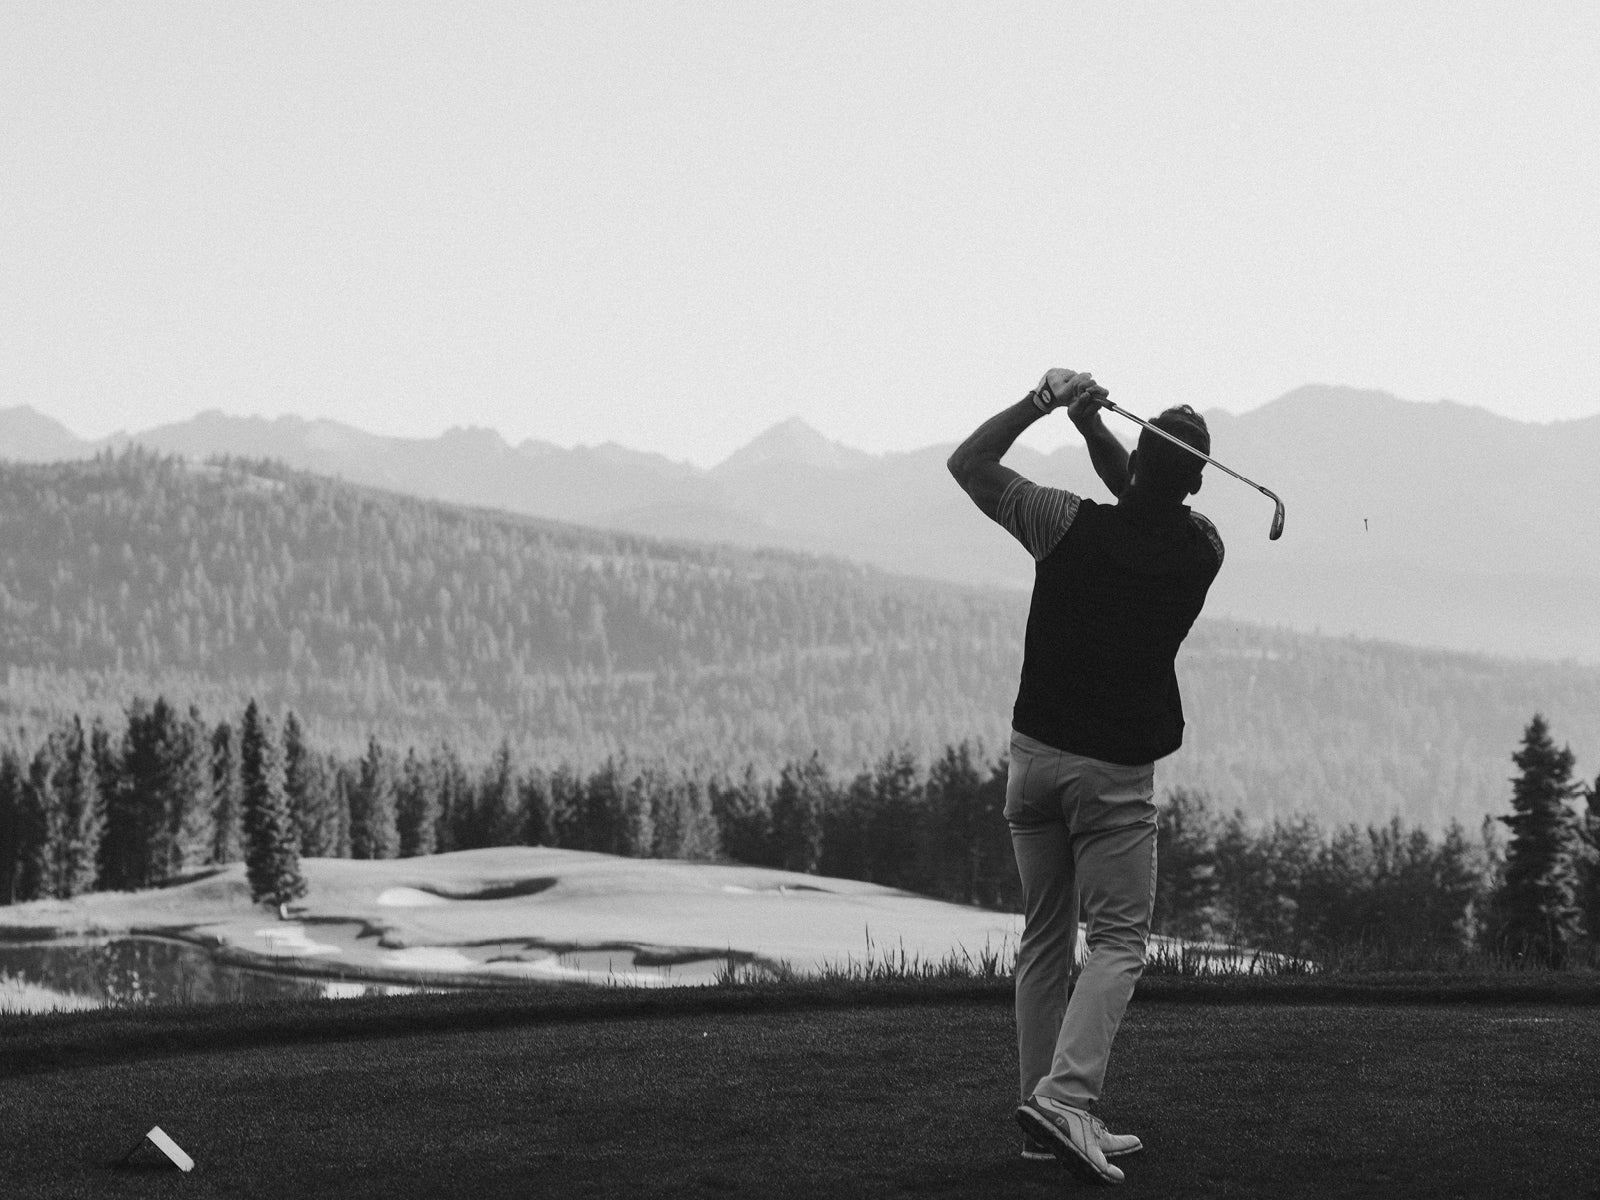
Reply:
x=1127, y=941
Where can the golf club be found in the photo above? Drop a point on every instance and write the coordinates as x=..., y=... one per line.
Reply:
x=1277, y=513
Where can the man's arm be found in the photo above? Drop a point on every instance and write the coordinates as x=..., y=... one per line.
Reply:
x=1107, y=455
x=976, y=462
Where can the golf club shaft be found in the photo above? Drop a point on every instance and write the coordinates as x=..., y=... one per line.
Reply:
x=1176, y=441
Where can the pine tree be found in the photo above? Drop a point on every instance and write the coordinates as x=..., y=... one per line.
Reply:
x=145, y=814
x=600, y=821
x=83, y=814
x=309, y=784
x=417, y=806
x=43, y=839
x=298, y=768
x=1186, y=874
x=455, y=800
x=343, y=786
x=566, y=794
x=498, y=811
x=272, y=858
x=1461, y=877
x=191, y=802
x=1001, y=886
x=743, y=811
x=322, y=826
x=227, y=792
x=373, y=831
x=125, y=848
x=295, y=753
x=1536, y=914
x=956, y=847
x=696, y=825
x=897, y=833
x=107, y=753
x=844, y=831
x=1259, y=879
x=538, y=825
x=798, y=805
x=680, y=811
x=11, y=824
x=636, y=831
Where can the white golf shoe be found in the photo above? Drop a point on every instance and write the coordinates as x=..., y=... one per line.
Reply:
x=1073, y=1136
x=1112, y=1145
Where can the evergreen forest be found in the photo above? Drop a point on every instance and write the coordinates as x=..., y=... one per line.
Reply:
x=378, y=616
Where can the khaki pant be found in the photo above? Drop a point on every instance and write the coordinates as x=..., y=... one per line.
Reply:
x=1084, y=833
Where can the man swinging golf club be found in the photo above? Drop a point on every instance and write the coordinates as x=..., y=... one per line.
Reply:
x=1116, y=589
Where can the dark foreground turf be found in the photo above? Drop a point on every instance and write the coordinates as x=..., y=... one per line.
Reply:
x=1239, y=1100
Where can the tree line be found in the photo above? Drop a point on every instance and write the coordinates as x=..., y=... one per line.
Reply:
x=1296, y=888
x=172, y=794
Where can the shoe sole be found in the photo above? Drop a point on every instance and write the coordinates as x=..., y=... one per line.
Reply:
x=1044, y=1153
x=1066, y=1153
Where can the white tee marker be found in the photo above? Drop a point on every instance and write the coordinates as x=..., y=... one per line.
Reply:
x=166, y=1145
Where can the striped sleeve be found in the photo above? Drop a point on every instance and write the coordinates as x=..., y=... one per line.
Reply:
x=1038, y=517
x=1212, y=536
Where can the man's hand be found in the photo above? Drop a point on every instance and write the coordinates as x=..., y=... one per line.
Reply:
x=976, y=462
x=1082, y=396
x=1077, y=390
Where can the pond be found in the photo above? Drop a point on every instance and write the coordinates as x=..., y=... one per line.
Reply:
x=147, y=970
x=94, y=973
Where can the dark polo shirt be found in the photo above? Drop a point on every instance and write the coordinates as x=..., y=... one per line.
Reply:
x=1116, y=589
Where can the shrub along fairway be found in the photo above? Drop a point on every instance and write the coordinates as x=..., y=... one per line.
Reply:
x=879, y=1091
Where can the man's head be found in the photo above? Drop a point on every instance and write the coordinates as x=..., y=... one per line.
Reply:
x=1163, y=469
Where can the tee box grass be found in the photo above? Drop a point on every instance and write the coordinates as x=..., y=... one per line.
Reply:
x=842, y=1089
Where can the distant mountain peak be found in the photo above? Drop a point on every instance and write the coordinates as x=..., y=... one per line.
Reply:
x=1335, y=406
x=796, y=443
x=478, y=437
x=27, y=435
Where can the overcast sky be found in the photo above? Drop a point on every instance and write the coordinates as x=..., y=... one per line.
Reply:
x=672, y=225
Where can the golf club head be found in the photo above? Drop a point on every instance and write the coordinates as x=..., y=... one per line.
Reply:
x=1277, y=520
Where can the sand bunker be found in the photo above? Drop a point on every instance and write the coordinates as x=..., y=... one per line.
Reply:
x=428, y=958
x=408, y=897
x=779, y=889
x=292, y=940
x=427, y=895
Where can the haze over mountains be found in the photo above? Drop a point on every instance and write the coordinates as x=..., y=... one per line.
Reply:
x=1432, y=524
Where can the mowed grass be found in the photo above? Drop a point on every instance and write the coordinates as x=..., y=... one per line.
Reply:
x=893, y=1099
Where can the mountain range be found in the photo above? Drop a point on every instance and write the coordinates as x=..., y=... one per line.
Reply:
x=1434, y=524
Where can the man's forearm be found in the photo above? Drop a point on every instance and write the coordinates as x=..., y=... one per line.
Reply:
x=990, y=441
x=1107, y=455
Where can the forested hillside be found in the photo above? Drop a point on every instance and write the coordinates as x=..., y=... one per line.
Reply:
x=366, y=610
x=372, y=613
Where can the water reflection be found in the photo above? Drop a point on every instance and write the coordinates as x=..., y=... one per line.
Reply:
x=144, y=970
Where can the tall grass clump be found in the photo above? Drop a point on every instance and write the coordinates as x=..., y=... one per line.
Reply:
x=18, y=995
x=881, y=964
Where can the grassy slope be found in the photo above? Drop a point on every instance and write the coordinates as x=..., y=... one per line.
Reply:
x=1237, y=1099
